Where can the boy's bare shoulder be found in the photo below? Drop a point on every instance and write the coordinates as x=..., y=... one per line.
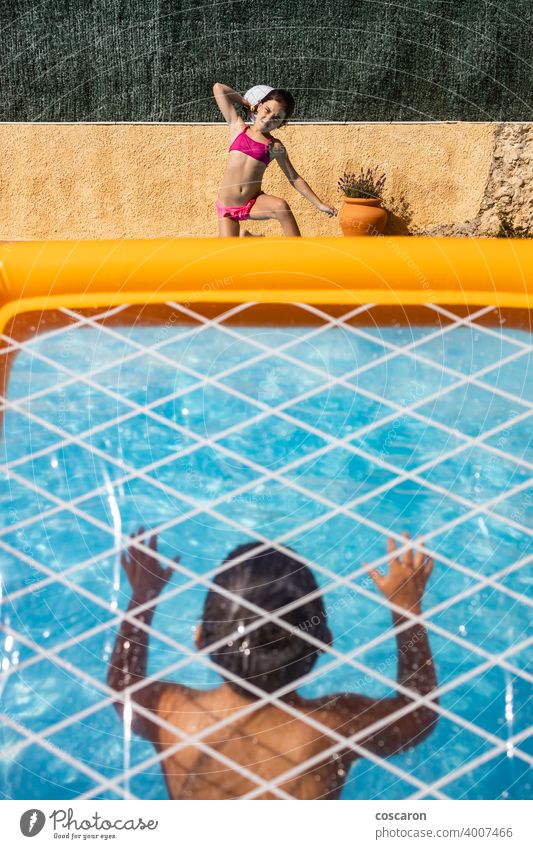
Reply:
x=184, y=706
x=175, y=697
x=186, y=709
x=337, y=709
x=333, y=710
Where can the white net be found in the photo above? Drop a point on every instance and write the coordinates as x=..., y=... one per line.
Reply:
x=425, y=426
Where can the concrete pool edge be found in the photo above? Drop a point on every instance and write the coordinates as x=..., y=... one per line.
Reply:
x=350, y=271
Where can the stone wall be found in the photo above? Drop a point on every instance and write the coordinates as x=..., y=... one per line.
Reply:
x=97, y=181
x=509, y=189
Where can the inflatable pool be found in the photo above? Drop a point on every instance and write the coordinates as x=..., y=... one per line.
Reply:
x=319, y=394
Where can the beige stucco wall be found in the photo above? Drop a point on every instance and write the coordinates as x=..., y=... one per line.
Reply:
x=81, y=181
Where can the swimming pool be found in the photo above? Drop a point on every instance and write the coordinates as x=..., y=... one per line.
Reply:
x=324, y=429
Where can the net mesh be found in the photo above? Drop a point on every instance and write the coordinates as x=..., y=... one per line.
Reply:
x=35, y=508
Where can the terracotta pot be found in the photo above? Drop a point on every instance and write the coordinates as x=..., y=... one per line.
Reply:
x=362, y=217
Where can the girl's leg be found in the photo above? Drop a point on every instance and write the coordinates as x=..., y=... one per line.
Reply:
x=228, y=227
x=269, y=206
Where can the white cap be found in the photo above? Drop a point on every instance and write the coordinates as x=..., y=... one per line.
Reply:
x=255, y=94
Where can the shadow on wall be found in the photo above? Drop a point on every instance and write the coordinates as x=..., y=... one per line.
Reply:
x=400, y=216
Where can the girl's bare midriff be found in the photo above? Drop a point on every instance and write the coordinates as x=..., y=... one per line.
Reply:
x=242, y=179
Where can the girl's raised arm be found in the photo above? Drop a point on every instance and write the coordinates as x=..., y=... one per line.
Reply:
x=225, y=97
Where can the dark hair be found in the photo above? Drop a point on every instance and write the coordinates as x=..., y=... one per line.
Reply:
x=281, y=95
x=270, y=656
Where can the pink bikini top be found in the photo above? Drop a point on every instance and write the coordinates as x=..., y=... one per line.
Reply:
x=257, y=150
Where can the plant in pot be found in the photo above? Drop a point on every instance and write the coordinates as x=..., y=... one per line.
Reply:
x=362, y=213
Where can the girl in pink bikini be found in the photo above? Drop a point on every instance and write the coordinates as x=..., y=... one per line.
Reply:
x=251, y=151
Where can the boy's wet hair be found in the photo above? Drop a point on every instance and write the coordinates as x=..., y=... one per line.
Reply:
x=285, y=98
x=269, y=656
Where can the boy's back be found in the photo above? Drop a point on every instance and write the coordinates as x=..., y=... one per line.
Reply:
x=267, y=742
x=296, y=743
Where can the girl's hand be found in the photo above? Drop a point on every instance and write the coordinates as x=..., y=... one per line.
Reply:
x=146, y=576
x=407, y=578
x=330, y=211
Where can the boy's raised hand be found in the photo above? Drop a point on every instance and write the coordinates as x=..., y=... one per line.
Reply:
x=407, y=577
x=146, y=576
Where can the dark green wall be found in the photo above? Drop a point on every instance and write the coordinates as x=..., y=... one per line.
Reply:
x=358, y=60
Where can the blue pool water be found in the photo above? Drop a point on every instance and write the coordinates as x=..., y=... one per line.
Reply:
x=217, y=434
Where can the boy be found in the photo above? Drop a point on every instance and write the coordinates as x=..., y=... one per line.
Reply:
x=267, y=741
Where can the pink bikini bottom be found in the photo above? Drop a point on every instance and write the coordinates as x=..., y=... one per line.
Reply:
x=237, y=213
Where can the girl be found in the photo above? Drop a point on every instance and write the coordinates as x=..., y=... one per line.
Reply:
x=251, y=151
